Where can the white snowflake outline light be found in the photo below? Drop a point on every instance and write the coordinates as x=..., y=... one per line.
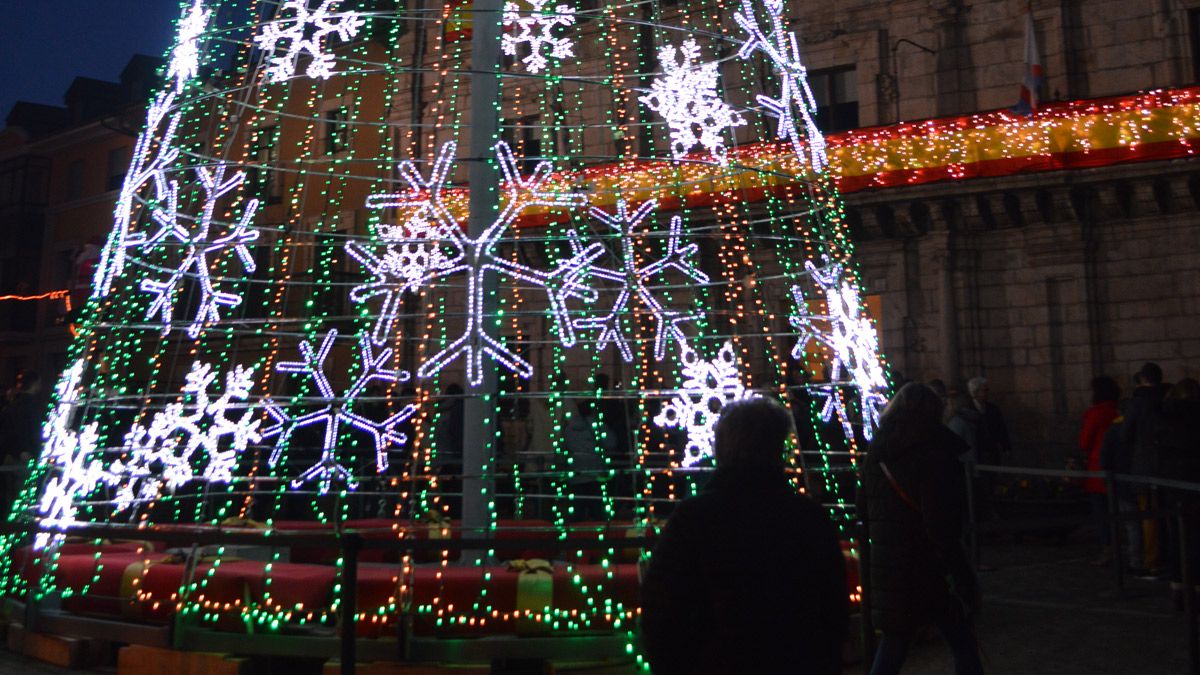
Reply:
x=306, y=33
x=73, y=455
x=195, y=241
x=185, y=57
x=476, y=257
x=162, y=455
x=685, y=95
x=537, y=30
x=782, y=49
x=848, y=333
x=154, y=150
x=336, y=412
x=833, y=403
x=415, y=250
x=706, y=387
x=633, y=277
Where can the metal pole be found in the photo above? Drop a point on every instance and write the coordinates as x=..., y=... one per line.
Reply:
x=1114, y=530
x=479, y=408
x=349, y=600
x=1189, y=594
x=972, y=523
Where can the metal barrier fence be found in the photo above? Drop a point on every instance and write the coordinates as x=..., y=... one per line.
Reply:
x=1114, y=516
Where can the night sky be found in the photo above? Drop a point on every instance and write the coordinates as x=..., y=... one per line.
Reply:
x=44, y=44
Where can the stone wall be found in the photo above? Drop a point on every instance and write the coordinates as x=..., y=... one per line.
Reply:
x=1089, y=49
x=1039, y=283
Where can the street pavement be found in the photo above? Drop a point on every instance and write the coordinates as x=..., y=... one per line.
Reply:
x=1046, y=611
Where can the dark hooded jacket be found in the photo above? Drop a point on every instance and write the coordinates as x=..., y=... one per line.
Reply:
x=1177, y=443
x=918, y=569
x=748, y=577
x=1142, y=414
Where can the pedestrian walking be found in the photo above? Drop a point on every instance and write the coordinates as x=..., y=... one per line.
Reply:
x=748, y=577
x=914, y=498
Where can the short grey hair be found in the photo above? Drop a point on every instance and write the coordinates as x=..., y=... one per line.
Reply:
x=752, y=432
x=975, y=384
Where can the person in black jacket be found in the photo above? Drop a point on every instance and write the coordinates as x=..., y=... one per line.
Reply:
x=1137, y=434
x=1177, y=444
x=748, y=577
x=914, y=499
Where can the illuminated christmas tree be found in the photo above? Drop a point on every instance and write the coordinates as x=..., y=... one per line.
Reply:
x=601, y=222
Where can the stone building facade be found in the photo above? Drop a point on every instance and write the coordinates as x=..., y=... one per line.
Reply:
x=1036, y=281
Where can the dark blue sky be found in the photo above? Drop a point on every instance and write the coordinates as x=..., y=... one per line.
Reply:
x=44, y=44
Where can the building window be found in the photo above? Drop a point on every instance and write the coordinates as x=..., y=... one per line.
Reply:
x=264, y=171
x=337, y=130
x=118, y=164
x=836, y=92
x=75, y=180
x=10, y=187
x=525, y=138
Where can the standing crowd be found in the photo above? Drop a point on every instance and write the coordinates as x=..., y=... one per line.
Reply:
x=1154, y=433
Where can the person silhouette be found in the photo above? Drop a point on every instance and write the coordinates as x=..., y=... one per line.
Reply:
x=748, y=576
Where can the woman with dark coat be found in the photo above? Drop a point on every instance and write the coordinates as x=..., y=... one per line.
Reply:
x=914, y=499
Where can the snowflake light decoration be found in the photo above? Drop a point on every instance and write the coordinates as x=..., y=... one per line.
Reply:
x=834, y=403
x=164, y=454
x=415, y=250
x=536, y=28
x=849, y=335
x=193, y=236
x=707, y=386
x=782, y=49
x=306, y=33
x=476, y=257
x=73, y=458
x=337, y=412
x=153, y=152
x=185, y=58
x=635, y=278
x=685, y=94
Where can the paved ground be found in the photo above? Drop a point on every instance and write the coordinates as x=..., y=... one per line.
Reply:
x=1047, y=611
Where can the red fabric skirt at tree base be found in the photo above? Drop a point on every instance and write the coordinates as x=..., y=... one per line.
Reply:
x=127, y=581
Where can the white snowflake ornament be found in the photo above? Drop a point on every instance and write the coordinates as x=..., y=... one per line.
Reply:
x=536, y=29
x=782, y=49
x=72, y=458
x=685, y=94
x=336, y=413
x=185, y=57
x=476, y=257
x=153, y=153
x=707, y=386
x=849, y=335
x=193, y=236
x=306, y=33
x=417, y=249
x=166, y=454
x=636, y=278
